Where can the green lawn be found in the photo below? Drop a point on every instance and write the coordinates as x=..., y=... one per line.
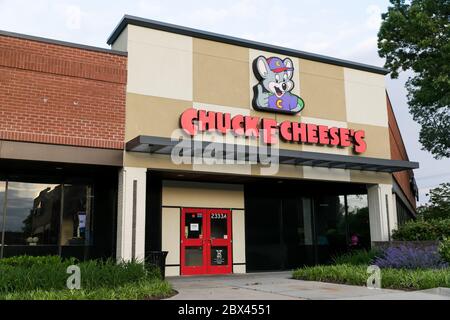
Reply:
x=44, y=278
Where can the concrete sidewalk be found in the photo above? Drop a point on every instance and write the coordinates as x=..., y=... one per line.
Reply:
x=280, y=286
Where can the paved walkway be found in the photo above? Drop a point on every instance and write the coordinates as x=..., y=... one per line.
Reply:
x=280, y=286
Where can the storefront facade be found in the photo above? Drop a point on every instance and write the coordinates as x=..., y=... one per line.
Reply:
x=231, y=155
x=330, y=190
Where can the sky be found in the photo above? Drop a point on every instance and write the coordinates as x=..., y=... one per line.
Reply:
x=344, y=29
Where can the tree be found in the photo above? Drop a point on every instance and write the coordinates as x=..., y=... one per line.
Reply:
x=415, y=36
x=438, y=207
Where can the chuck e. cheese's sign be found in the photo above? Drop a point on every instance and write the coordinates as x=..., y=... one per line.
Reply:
x=273, y=93
x=195, y=121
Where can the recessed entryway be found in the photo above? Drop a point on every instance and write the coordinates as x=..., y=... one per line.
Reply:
x=205, y=241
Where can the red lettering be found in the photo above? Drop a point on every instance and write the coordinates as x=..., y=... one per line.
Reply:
x=223, y=122
x=192, y=121
x=251, y=126
x=207, y=120
x=312, y=133
x=237, y=124
x=187, y=121
x=299, y=132
x=268, y=128
x=334, y=137
x=344, y=137
x=323, y=135
x=286, y=130
x=360, y=145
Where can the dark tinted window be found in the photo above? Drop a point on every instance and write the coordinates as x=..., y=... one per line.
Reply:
x=358, y=221
x=32, y=213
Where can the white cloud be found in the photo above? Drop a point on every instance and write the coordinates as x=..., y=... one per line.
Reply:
x=374, y=19
x=73, y=17
x=246, y=9
x=149, y=8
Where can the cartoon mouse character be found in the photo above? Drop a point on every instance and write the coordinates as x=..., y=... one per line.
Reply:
x=273, y=92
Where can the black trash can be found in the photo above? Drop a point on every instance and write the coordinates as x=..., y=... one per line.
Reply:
x=157, y=259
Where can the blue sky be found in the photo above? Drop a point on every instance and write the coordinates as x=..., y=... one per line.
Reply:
x=344, y=29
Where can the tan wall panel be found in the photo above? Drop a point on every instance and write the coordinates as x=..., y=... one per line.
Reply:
x=155, y=116
x=323, y=90
x=220, y=73
x=171, y=234
x=321, y=69
x=239, y=269
x=220, y=50
x=59, y=153
x=377, y=139
x=243, y=169
x=198, y=194
x=327, y=174
x=370, y=177
x=172, y=271
x=159, y=63
x=152, y=161
x=324, y=97
x=238, y=236
x=365, y=97
x=284, y=171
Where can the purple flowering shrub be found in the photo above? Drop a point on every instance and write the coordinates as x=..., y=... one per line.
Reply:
x=410, y=257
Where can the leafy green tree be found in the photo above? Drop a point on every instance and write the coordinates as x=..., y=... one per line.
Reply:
x=414, y=35
x=438, y=207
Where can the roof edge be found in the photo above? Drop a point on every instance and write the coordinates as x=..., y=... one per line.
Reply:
x=61, y=43
x=196, y=33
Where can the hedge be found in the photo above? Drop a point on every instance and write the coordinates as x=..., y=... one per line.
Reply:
x=420, y=230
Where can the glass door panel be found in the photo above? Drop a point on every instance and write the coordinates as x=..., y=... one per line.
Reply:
x=193, y=252
x=193, y=226
x=219, y=227
x=194, y=256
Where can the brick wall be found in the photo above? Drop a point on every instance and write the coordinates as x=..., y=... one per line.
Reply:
x=398, y=152
x=58, y=94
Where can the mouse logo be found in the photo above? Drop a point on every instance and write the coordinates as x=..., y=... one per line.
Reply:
x=273, y=91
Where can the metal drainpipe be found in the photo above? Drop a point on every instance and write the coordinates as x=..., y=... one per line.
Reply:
x=61, y=220
x=4, y=221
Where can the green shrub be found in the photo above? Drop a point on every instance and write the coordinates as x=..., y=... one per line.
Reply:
x=30, y=261
x=419, y=279
x=420, y=230
x=147, y=289
x=357, y=257
x=444, y=249
x=27, y=276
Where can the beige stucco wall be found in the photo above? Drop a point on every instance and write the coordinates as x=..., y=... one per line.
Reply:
x=238, y=237
x=199, y=194
x=169, y=73
x=170, y=232
x=159, y=63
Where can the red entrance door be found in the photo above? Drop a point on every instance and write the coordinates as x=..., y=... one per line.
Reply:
x=205, y=241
